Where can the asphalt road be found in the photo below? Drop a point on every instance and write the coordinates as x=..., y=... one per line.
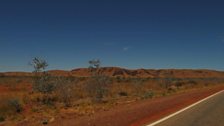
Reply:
x=207, y=113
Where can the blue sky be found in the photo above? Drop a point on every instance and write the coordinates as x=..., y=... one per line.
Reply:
x=131, y=34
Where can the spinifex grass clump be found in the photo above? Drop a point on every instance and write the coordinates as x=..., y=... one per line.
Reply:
x=15, y=105
x=10, y=107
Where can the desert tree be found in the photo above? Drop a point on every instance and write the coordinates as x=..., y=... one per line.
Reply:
x=94, y=66
x=51, y=86
x=97, y=86
x=95, y=63
x=43, y=81
x=39, y=64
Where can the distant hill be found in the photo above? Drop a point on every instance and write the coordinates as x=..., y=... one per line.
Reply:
x=140, y=73
x=150, y=73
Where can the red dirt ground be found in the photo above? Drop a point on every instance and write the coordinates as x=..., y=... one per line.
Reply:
x=139, y=113
x=3, y=89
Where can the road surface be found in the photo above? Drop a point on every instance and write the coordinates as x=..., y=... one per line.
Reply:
x=207, y=113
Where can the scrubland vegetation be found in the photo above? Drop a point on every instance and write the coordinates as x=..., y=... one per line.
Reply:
x=44, y=96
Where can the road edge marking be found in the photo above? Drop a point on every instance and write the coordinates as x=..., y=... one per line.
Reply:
x=184, y=109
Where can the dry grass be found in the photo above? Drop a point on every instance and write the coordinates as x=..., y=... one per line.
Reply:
x=120, y=91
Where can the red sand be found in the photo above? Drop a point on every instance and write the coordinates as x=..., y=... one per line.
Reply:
x=141, y=112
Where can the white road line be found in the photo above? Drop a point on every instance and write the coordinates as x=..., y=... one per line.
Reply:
x=178, y=112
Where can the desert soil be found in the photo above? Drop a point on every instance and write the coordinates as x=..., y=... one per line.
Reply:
x=139, y=113
x=134, y=113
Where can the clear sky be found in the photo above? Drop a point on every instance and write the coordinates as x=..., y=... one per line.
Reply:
x=150, y=34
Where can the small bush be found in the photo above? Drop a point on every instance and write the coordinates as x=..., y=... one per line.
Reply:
x=45, y=99
x=192, y=82
x=148, y=95
x=10, y=107
x=44, y=83
x=172, y=88
x=138, y=86
x=118, y=79
x=122, y=93
x=97, y=88
x=45, y=122
x=2, y=119
x=65, y=90
x=16, y=105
